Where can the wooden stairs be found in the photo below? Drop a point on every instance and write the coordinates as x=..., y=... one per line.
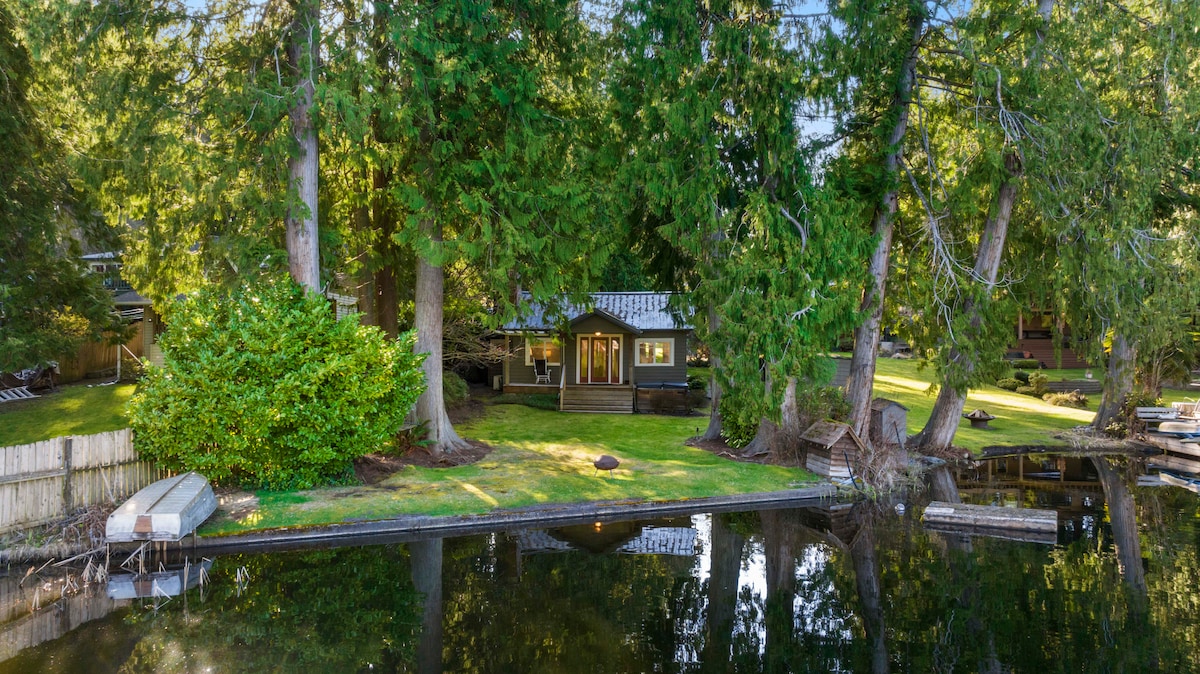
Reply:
x=1042, y=350
x=598, y=398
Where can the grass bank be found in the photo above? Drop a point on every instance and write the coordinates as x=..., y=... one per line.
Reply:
x=541, y=457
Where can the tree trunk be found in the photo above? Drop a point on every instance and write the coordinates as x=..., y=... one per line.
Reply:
x=713, y=432
x=870, y=598
x=942, y=486
x=1118, y=381
x=431, y=406
x=866, y=336
x=725, y=555
x=387, y=303
x=947, y=410
x=426, y=558
x=787, y=439
x=304, y=261
x=1122, y=514
x=780, y=561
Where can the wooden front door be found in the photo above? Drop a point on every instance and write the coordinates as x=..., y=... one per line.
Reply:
x=600, y=359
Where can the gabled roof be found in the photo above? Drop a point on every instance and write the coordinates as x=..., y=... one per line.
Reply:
x=827, y=433
x=635, y=311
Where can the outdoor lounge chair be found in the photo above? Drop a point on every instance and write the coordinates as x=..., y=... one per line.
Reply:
x=541, y=371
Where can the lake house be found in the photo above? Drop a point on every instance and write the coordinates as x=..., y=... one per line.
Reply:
x=597, y=356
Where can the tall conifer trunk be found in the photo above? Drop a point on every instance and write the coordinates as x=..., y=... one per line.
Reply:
x=870, y=597
x=713, y=432
x=947, y=410
x=1118, y=381
x=301, y=220
x=866, y=337
x=431, y=406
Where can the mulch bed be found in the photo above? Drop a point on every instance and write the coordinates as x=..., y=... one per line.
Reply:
x=375, y=468
x=723, y=450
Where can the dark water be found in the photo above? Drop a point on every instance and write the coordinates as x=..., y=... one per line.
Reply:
x=845, y=588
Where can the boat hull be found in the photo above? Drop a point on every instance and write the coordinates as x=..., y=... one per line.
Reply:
x=167, y=510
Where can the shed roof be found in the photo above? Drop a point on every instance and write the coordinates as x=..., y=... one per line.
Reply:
x=880, y=404
x=828, y=433
x=639, y=311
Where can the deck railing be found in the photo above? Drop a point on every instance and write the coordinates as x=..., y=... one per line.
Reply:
x=48, y=480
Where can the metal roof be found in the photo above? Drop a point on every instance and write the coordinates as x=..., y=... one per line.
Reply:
x=640, y=311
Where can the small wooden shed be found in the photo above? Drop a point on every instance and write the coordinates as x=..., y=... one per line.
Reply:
x=833, y=449
x=889, y=423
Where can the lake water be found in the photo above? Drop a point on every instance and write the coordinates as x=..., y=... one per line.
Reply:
x=841, y=588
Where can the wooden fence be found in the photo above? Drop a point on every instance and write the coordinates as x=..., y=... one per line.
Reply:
x=48, y=480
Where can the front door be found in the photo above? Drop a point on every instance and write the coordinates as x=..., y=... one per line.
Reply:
x=600, y=359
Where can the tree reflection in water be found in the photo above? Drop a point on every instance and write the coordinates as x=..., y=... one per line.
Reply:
x=839, y=588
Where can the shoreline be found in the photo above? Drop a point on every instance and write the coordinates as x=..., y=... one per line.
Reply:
x=418, y=527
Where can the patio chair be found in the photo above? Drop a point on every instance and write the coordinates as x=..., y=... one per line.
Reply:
x=541, y=371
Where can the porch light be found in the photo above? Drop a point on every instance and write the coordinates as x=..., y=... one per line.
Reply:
x=597, y=333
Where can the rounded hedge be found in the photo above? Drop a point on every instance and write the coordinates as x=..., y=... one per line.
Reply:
x=263, y=386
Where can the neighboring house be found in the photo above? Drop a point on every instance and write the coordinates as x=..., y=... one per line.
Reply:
x=600, y=353
x=1035, y=337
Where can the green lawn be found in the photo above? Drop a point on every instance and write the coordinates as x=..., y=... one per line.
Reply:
x=541, y=457
x=1021, y=419
x=72, y=410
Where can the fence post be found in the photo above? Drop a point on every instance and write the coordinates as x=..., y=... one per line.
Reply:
x=67, y=446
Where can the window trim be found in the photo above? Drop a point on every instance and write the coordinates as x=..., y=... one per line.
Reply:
x=637, y=351
x=529, y=351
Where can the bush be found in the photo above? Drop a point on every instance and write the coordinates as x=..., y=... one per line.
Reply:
x=697, y=383
x=265, y=387
x=541, y=401
x=1038, y=381
x=739, y=419
x=1021, y=376
x=1027, y=363
x=454, y=388
x=1071, y=399
x=1009, y=384
x=1027, y=391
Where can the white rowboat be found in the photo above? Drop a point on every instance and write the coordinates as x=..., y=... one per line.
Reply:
x=167, y=510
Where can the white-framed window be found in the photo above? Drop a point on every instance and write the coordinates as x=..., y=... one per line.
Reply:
x=655, y=351
x=537, y=348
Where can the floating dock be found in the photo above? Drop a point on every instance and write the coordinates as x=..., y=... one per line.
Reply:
x=167, y=510
x=995, y=518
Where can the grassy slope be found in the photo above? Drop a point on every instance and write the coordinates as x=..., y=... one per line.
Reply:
x=72, y=410
x=541, y=457
x=1021, y=420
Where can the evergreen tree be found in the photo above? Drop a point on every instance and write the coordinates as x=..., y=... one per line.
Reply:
x=49, y=303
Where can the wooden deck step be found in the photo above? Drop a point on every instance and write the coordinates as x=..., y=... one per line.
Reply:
x=610, y=399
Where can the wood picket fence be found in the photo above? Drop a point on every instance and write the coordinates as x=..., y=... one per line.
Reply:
x=45, y=481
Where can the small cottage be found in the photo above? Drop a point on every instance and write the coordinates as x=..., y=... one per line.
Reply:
x=833, y=449
x=889, y=423
x=596, y=356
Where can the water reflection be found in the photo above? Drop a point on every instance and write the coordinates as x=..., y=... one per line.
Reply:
x=840, y=588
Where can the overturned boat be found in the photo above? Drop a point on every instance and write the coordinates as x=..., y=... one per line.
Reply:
x=167, y=510
x=159, y=584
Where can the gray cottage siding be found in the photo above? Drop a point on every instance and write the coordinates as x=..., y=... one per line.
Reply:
x=657, y=374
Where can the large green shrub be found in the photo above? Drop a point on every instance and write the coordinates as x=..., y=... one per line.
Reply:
x=265, y=387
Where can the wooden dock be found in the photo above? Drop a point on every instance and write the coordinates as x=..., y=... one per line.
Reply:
x=991, y=517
